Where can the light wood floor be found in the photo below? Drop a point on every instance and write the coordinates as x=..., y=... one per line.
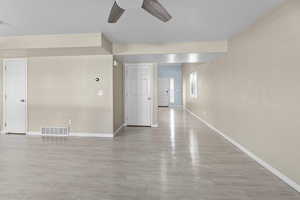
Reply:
x=182, y=159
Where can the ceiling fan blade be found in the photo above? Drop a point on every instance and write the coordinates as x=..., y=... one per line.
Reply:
x=115, y=13
x=157, y=10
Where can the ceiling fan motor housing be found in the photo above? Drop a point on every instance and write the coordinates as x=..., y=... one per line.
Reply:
x=130, y=4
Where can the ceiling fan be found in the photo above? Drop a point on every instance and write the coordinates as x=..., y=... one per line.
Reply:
x=3, y=23
x=151, y=6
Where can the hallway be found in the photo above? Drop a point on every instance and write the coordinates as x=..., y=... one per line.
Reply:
x=182, y=159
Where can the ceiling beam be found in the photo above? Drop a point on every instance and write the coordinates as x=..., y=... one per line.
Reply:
x=171, y=48
x=55, y=45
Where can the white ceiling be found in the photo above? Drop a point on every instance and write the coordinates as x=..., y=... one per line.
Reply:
x=193, y=20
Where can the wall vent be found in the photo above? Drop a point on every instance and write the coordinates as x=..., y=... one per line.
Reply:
x=55, y=131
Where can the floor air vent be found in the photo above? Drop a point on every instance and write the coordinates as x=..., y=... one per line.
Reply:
x=55, y=131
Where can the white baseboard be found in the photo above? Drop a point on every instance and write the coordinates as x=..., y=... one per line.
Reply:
x=267, y=166
x=119, y=129
x=154, y=125
x=74, y=134
x=176, y=106
x=101, y=135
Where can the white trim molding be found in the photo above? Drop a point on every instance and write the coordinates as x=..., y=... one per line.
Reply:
x=119, y=129
x=263, y=163
x=4, y=108
x=152, y=67
x=175, y=106
x=76, y=134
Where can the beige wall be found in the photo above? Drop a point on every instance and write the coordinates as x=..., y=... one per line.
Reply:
x=64, y=88
x=155, y=119
x=1, y=94
x=118, y=85
x=252, y=94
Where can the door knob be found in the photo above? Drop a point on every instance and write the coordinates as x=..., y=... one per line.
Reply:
x=22, y=100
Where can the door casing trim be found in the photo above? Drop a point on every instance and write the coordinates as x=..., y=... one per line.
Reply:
x=151, y=67
x=4, y=131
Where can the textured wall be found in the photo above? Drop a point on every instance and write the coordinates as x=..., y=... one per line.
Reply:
x=252, y=93
x=118, y=82
x=64, y=88
x=1, y=94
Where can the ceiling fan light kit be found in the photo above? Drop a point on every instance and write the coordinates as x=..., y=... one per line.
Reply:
x=153, y=7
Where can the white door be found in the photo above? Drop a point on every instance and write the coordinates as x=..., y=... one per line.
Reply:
x=15, y=95
x=163, y=90
x=138, y=95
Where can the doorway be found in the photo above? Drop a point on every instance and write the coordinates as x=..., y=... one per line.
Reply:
x=138, y=94
x=170, y=85
x=15, y=96
x=164, y=92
